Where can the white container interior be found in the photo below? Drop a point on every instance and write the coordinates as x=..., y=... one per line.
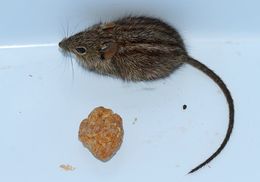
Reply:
x=43, y=99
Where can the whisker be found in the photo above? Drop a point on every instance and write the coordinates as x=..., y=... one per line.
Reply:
x=72, y=67
x=65, y=64
x=67, y=28
x=63, y=29
x=75, y=28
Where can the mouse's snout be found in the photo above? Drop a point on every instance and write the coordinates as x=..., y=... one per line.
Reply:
x=60, y=44
x=64, y=45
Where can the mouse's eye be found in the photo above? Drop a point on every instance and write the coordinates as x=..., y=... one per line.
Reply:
x=81, y=50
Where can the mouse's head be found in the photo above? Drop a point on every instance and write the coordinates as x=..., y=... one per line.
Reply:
x=93, y=47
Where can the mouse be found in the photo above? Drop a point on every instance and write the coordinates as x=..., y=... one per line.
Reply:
x=140, y=48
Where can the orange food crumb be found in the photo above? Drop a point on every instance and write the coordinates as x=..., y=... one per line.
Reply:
x=102, y=133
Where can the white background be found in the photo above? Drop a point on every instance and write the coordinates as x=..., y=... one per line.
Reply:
x=42, y=101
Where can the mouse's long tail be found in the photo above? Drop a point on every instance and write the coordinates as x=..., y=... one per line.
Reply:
x=229, y=99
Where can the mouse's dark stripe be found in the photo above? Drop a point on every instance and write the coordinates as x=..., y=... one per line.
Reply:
x=149, y=41
x=134, y=21
x=148, y=27
x=145, y=30
x=132, y=38
x=136, y=26
x=229, y=99
x=141, y=26
x=140, y=20
x=152, y=49
x=160, y=43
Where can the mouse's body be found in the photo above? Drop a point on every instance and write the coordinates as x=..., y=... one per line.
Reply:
x=138, y=49
x=131, y=48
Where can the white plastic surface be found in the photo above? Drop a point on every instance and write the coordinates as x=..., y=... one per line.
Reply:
x=42, y=102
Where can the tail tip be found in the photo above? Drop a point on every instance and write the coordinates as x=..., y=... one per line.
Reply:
x=192, y=171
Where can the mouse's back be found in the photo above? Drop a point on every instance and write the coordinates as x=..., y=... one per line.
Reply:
x=146, y=30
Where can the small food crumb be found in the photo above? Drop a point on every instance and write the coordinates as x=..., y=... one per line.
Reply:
x=67, y=167
x=184, y=107
x=102, y=133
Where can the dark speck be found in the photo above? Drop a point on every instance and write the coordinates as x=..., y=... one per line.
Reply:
x=184, y=107
x=30, y=75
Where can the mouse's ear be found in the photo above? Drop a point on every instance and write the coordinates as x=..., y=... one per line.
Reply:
x=108, y=50
x=108, y=26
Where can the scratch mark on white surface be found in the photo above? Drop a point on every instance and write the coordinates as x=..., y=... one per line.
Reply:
x=5, y=67
x=27, y=46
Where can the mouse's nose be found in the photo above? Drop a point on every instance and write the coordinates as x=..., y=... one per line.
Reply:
x=61, y=44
